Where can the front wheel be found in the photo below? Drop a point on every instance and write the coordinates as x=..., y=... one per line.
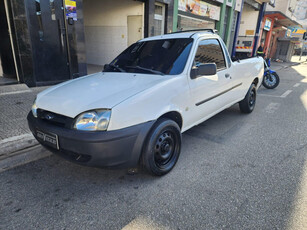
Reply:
x=247, y=105
x=162, y=147
x=270, y=80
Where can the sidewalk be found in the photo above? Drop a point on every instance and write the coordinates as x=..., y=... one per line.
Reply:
x=294, y=61
x=15, y=136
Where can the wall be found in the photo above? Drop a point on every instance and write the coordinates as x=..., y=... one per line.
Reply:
x=248, y=20
x=283, y=6
x=105, y=25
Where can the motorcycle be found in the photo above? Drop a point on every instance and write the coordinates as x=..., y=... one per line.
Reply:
x=270, y=77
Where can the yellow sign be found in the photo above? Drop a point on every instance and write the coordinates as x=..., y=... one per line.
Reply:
x=297, y=32
x=249, y=32
x=70, y=3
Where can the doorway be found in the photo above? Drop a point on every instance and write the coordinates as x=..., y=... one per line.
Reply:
x=48, y=40
x=134, y=28
x=110, y=27
x=8, y=73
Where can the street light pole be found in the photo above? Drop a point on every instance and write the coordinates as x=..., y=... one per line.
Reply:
x=303, y=42
x=301, y=50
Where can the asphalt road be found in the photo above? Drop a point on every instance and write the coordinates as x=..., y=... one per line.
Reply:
x=235, y=171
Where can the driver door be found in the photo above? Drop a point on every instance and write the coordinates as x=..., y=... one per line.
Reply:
x=207, y=91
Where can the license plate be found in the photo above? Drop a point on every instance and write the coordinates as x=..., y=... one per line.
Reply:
x=48, y=138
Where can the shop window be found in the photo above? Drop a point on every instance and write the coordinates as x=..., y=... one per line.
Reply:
x=210, y=51
x=159, y=19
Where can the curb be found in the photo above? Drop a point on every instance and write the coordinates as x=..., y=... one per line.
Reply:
x=287, y=66
x=13, y=144
x=19, y=150
x=24, y=156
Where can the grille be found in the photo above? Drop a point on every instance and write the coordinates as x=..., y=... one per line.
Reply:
x=54, y=118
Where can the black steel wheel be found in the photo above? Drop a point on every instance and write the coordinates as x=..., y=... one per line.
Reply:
x=162, y=147
x=270, y=80
x=247, y=105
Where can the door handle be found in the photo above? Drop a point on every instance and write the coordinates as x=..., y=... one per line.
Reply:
x=227, y=75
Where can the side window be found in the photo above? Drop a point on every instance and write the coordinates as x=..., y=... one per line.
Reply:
x=210, y=51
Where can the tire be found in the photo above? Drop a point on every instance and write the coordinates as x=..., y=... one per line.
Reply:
x=270, y=80
x=247, y=105
x=162, y=147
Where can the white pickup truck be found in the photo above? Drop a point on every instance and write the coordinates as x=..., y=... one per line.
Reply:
x=135, y=110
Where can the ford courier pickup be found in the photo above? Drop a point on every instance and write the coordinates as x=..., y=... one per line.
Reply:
x=135, y=110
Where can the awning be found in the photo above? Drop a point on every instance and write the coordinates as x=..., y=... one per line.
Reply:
x=281, y=19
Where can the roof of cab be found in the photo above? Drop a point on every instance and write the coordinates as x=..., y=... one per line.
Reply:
x=188, y=34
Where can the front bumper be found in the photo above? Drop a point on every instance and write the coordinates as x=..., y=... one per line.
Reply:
x=118, y=148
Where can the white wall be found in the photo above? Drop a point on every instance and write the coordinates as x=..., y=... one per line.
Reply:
x=283, y=6
x=105, y=25
x=249, y=19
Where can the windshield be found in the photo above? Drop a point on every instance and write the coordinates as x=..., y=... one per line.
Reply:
x=167, y=56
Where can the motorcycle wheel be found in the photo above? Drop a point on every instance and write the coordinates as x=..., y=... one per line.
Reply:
x=270, y=80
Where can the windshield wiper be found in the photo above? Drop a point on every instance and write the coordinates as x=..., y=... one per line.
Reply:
x=115, y=67
x=145, y=69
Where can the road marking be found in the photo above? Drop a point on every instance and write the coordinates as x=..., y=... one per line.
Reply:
x=297, y=85
x=268, y=95
x=285, y=94
x=272, y=107
x=16, y=92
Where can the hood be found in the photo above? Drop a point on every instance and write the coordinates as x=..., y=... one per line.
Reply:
x=96, y=91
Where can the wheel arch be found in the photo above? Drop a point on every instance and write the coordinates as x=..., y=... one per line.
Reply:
x=175, y=116
x=256, y=81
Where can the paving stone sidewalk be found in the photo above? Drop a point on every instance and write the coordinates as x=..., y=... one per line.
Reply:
x=15, y=103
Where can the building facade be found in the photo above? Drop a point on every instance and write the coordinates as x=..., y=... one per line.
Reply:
x=208, y=14
x=46, y=42
x=279, y=30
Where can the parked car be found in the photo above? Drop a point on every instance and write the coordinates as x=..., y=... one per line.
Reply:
x=135, y=111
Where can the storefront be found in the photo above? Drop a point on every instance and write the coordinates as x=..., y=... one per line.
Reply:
x=8, y=74
x=196, y=14
x=54, y=41
x=277, y=36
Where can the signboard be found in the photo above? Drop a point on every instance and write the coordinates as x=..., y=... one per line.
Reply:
x=249, y=32
x=229, y=3
x=200, y=8
x=297, y=32
x=238, y=5
x=71, y=9
x=267, y=25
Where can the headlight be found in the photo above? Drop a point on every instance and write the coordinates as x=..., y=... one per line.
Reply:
x=34, y=109
x=96, y=120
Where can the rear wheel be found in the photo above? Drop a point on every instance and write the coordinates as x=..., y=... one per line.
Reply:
x=247, y=105
x=270, y=80
x=162, y=147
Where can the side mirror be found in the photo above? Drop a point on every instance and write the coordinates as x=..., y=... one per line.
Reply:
x=203, y=70
x=106, y=66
